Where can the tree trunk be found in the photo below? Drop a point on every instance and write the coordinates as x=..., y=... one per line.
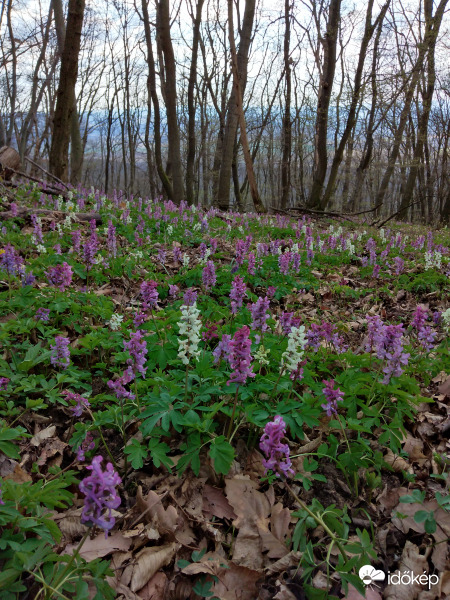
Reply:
x=427, y=98
x=152, y=93
x=429, y=40
x=323, y=103
x=232, y=121
x=287, y=125
x=190, y=159
x=170, y=88
x=352, y=113
x=259, y=206
x=59, y=152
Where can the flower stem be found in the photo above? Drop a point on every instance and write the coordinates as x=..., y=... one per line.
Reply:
x=319, y=521
x=230, y=425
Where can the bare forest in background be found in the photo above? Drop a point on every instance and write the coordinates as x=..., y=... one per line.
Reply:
x=331, y=105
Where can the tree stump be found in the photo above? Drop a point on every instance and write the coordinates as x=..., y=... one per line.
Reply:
x=9, y=162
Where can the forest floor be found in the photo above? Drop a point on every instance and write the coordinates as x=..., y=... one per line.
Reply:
x=169, y=341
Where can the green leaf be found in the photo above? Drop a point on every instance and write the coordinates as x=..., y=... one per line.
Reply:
x=222, y=454
x=137, y=453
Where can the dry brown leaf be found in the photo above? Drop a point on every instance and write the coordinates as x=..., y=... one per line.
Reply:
x=441, y=516
x=215, y=503
x=444, y=584
x=155, y=589
x=42, y=435
x=70, y=523
x=291, y=559
x=101, y=546
x=234, y=582
x=146, y=563
x=252, y=509
x=411, y=561
x=398, y=463
x=152, y=510
x=18, y=475
x=353, y=594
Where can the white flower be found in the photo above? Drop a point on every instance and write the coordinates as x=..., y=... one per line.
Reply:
x=115, y=321
x=261, y=355
x=169, y=229
x=204, y=260
x=59, y=202
x=41, y=249
x=185, y=260
x=197, y=227
x=67, y=222
x=433, y=259
x=295, y=348
x=241, y=229
x=446, y=319
x=189, y=326
x=295, y=247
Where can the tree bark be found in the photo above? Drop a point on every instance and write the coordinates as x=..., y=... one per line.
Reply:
x=287, y=124
x=190, y=159
x=152, y=94
x=259, y=206
x=232, y=120
x=170, y=88
x=427, y=98
x=352, y=113
x=325, y=89
x=429, y=39
x=59, y=152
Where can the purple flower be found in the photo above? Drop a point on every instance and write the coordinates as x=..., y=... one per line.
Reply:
x=60, y=356
x=137, y=347
x=101, y=495
x=37, y=231
x=391, y=350
x=238, y=291
x=13, y=208
x=399, y=265
x=259, y=313
x=149, y=294
x=277, y=454
x=425, y=334
x=288, y=321
x=76, y=240
x=57, y=249
x=284, y=261
x=119, y=384
x=210, y=333
x=271, y=291
x=251, y=263
x=189, y=297
x=81, y=403
x=11, y=261
x=4, y=383
x=209, y=275
x=112, y=240
x=223, y=348
x=176, y=254
x=240, y=356
x=376, y=271
x=376, y=329
x=60, y=276
x=87, y=445
x=332, y=396
x=173, y=291
x=326, y=332
x=437, y=317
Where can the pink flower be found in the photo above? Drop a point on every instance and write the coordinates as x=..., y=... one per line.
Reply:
x=240, y=356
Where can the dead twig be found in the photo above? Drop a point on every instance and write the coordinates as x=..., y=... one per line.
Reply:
x=46, y=172
x=374, y=223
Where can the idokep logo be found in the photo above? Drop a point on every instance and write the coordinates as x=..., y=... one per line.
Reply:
x=369, y=574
